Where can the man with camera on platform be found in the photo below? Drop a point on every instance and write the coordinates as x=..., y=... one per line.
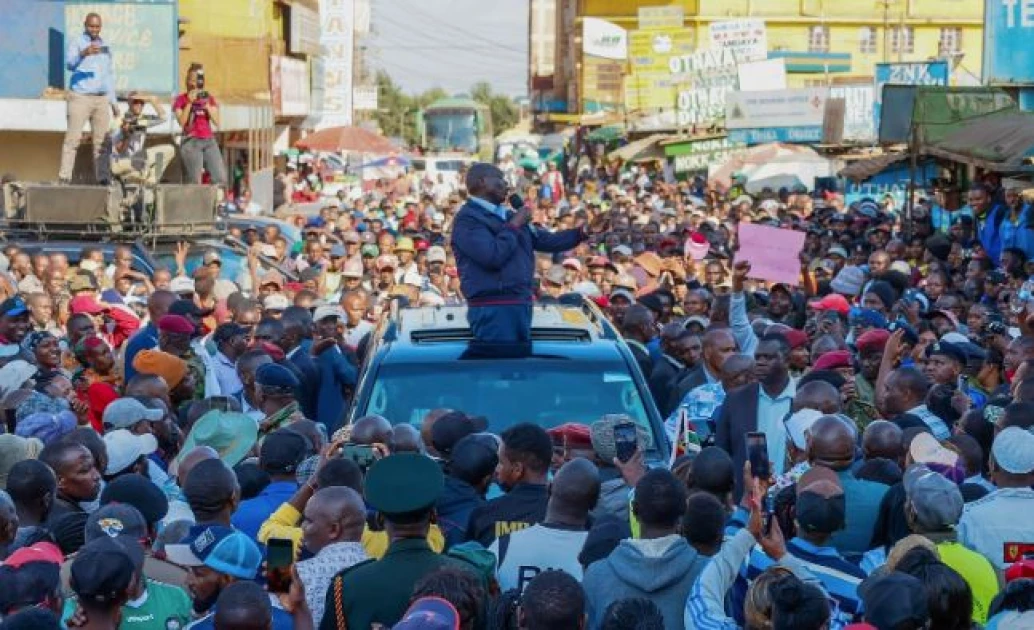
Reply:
x=197, y=112
x=131, y=161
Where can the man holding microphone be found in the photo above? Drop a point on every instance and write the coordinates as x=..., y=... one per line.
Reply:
x=495, y=254
x=91, y=96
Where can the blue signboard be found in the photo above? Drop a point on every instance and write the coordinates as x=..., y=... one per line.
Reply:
x=919, y=73
x=144, y=39
x=764, y=135
x=892, y=181
x=1008, y=54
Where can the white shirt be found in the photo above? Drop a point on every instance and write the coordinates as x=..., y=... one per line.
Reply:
x=771, y=411
x=524, y=554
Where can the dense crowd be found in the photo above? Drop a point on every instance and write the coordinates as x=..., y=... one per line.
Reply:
x=175, y=452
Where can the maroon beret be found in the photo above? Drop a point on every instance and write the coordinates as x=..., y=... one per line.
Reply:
x=176, y=324
x=833, y=360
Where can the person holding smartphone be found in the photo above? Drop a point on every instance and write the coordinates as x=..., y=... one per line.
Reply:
x=91, y=96
x=197, y=113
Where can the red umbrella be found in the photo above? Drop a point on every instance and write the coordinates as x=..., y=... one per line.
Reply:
x=336, y=139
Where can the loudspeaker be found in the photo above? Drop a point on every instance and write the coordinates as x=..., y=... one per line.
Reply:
x=67, y=204
x=179, y=207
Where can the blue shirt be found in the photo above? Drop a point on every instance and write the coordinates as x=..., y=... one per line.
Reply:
x=771, y=412
x=863, y=500
x=91, y=74
x=253, y=512
x=282, y=620
x=489, y=207
x=145, y=339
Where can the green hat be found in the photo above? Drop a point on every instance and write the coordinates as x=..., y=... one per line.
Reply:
x=404, y=483
x=370, y=251
x=231, y=434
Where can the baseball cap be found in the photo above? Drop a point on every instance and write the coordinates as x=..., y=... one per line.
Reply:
x=323, y=312
x=124, y=448
x=821, y=506
x=436, y=253
x=925, y=449
x=893, y=599
x=102, y=571
x=116, y=520
x=832, y=302
x=947, y=349
x=404, y=244
x=1013, y=450
x=181, y=284
x=272, y=277
x=798, y=425
x=40, y=552
x=126, y=412
x=212, y=256
x=430, y=613
x=352, y=269
x=337, y=250
x=837, y=250
x=139, y=492
x=79, y=304
x=351, y=236
x=936, y=500
x=275, y=302
x=622, y=250
x=453, y=427
x=15, y=306
x=82, y=280
x=219, y=548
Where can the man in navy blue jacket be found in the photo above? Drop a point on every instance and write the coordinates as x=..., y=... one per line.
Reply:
x=495, y=255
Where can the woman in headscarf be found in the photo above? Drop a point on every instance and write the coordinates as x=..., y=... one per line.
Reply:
x=42, y=349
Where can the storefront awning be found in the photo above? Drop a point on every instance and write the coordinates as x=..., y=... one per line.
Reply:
x=863, y=169
x=1001, y=142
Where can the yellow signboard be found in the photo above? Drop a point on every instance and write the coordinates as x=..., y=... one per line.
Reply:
x=650, y=84
x=602, y=80
x=671, y=16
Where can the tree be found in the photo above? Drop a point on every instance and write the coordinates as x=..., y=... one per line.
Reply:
x=504, y=112
x=392, y=105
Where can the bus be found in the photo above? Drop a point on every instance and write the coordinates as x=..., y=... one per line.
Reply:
x=457, y=125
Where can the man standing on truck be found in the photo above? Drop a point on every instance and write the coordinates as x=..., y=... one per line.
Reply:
x=494, y=247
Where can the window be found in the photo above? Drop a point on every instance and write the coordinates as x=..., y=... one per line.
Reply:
x=867, y=39
x=902, y=39
x=951, y=41
x=818, y=39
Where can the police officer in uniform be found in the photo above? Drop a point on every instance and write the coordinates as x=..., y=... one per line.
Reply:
x=403, y=488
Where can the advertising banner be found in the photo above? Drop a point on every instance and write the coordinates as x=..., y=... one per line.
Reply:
x=1008, y=29
x=666, y=17
x=804, y=107
x=858, y=103
x=920, y=73
x=335, y=79
x=601, y=38
x=746, y=38
x=704, y=80
x=650, y=84
x=143, y=39
x=289, y=80
x=700, y=155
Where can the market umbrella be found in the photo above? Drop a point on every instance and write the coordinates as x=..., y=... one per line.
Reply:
x=390, y=160
x=336, y=139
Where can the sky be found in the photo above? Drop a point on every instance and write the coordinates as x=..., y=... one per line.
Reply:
x=451, y=44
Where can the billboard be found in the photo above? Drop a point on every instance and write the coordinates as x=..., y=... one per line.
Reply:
x=601, y=38
x=666, y=17
x=143, y=38
x=650, y=83
x=858, y=103
x=919, y=73
x=804, y=107
x=1008, y=29
x=746, y=38
x=333, y=78
x=704, y=80
x=289, y=80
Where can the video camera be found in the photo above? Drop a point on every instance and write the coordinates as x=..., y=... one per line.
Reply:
x=201, y=92
x=133, y=123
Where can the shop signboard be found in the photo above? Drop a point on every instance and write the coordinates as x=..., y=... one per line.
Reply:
x=764, y=135
x=803, y=107
x=746, y=38
x=1008, y=31
x=918, y=73
x=601, y=38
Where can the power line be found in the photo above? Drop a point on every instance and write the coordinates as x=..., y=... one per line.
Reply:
x=455, y=29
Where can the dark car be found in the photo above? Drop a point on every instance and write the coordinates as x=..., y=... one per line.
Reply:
x=579, y=370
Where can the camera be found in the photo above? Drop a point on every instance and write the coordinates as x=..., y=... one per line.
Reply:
x=133, y=123
x=201, y=92
x=994, y=328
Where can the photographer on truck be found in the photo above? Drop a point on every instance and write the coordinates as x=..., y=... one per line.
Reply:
x=131, y=161
x=197, y=111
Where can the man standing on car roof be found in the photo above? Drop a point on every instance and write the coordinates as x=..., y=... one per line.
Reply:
x=495, y=253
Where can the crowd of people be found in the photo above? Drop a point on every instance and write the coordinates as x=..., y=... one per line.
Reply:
x=175, y=452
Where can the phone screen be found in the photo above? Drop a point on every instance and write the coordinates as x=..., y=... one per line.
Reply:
x=362, y=454
x=626, y=441
x=757, y=455
x=279, y=558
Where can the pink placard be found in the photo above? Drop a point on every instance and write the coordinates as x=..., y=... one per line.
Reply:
x=773, y=253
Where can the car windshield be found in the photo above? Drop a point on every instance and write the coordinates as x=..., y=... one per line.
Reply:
x=233, y=263
x=548, y=392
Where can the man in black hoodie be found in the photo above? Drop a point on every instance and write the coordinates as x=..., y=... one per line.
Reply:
x=468, y=474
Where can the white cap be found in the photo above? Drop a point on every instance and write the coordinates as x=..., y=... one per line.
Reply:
x=124, y=448
x=323, y=312
x=436, y=253
x=276, y=302
x=352, y=269
x=799, y=424
x=181, y=284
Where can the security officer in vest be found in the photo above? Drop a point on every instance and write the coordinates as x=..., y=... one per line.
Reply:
x=403, y=488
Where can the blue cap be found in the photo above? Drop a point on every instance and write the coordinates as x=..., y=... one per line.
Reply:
x=867, y=317
x=274, y=375
x=337, y=250
x=219, y=548
x=315, y=222
x=13, y=307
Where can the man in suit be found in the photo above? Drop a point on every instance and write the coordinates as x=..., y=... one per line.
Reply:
x=680, y=353
x=639, y=327
x=761, y=406
x=718, y=345
x=495, y=255
x=297, y=343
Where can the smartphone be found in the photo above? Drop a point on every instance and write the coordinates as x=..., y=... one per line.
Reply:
x=962, y=385
x=626, y=440
x=279, y=558
x=757, y=455
x=362, y=454
x=768, y=512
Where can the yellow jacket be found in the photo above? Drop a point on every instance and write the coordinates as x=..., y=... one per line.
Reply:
x=284, y=524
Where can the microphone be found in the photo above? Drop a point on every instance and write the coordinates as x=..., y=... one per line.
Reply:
x=516, y=202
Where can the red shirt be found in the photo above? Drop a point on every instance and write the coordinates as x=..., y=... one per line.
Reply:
x=198, y=125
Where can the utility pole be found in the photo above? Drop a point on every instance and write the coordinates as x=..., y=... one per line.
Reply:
x=886, y=28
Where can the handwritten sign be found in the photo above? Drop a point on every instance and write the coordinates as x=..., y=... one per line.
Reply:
x=143, y=39
x=772, y=252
